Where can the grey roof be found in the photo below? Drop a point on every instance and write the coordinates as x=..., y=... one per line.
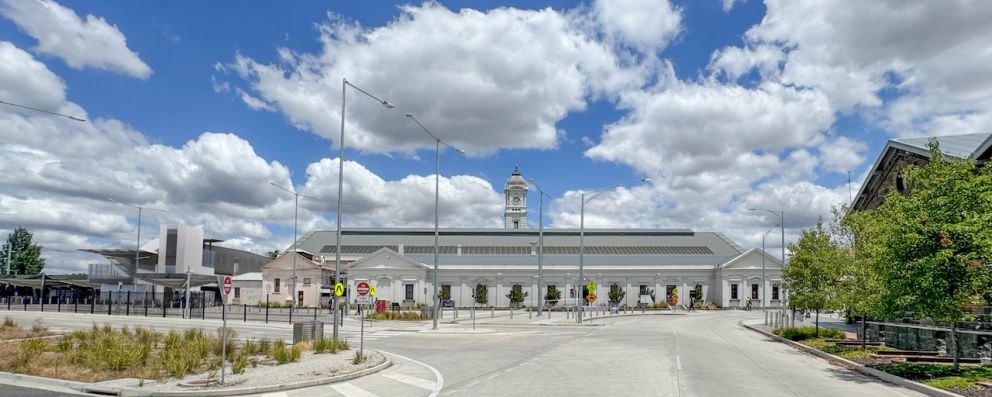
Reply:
x=483, y=247
x=960, y=146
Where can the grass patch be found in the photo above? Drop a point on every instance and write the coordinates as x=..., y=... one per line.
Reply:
x=322, y=345
x=940, y=376
x=10, y=330
x=400, y=315
x=803, y=333
x=853, y=353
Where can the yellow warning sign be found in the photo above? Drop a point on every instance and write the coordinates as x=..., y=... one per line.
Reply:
x=338, y=289
x=591, y=287
x=591, y=297
x=371, y=290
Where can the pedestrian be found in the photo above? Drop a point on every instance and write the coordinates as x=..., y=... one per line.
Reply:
x=748, y=305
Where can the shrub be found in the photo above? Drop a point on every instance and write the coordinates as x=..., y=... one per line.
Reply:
x=322, y=345
x=295, y=352
x=359, y=358
x=803, y=333
x=264, y=346
x=239, y=363
x=64, y=344
x=218, y=343
x=402, y=316
x=8, y=323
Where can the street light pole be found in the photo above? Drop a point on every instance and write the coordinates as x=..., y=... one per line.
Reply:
x=337, y=251
x=764, y=304
x=540, y=250
x=582, y=246
x=137, y=242
x=437, y=183
x=10, y=247
x=781, y=220
x=296, y=220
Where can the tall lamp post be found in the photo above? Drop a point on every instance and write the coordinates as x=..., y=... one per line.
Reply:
x=764, y=304
x=582, y=246
x=781, y=222
x=296, y=220
x=337, y=251
x=137, y=242
x=10, y=247
x=540, y=250
x=437, y=180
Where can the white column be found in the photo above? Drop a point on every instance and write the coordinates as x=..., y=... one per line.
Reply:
x=659, y=292
x=626, y=299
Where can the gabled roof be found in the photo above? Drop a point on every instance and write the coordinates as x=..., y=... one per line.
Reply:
x=752, y=260
x=303, y=261
x=385, y=258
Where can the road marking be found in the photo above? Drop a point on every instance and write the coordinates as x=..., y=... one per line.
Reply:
x=411, y=380
x=678, y=362
x=350, y=390
x=276, y=394
x=437, y=374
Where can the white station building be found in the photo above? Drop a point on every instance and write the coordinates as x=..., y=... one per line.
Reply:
x=662, y=263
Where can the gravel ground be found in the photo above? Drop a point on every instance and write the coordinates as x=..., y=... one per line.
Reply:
x=310, y=366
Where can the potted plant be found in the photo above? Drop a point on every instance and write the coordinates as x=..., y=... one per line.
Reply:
x=516, y=296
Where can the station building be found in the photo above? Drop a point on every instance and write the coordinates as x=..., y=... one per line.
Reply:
x=660, y=263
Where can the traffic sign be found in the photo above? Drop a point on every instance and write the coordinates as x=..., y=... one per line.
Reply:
x=591, y=297
x=338, y=289
x=591, y=287
x=362, y=288
x=227, y=284
x=364, y=299
x=372, y=290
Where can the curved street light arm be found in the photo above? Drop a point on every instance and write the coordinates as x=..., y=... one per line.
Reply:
x=70, y=117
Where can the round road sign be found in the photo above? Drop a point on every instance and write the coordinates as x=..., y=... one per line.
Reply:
x=227, y=284
x=338, y=289
x=362, y=288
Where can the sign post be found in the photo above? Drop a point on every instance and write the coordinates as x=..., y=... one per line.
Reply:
x=223, y=316
x=363, y=290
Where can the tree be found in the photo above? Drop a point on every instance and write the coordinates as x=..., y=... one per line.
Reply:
x=616, y=294
x=25, y=257
x=481, y=294
x=861, y=285
x=517, y=294
x=932, y=247
x=552, y=296
x=273, y=254
x=816, y=264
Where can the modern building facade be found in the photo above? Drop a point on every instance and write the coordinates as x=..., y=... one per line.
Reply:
x=661, y=264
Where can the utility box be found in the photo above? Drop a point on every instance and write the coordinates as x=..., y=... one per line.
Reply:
x=380, y=305
x=308, y=330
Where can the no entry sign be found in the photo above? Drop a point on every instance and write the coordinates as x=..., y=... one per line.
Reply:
x=227, y=284
x=363, y=288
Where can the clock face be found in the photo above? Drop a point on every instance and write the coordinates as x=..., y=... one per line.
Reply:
x=516, y=199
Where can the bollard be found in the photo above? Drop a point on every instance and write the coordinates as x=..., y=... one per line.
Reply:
x=128, y=312
x=492, y=312
x=145, y=299
x=511, y=313
x=530, y=314
x=110, y=304
x=473, y=318
x=245, y=307
x=92, y=304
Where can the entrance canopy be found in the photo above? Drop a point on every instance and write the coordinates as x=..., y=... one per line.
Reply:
x=177, y=280
x=56, y=280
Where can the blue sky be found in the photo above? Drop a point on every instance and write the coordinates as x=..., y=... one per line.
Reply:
x=725, y=105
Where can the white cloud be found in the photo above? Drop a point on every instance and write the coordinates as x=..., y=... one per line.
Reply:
x=516, y=72
x=729, y=4
x=647, y=25
x=81, y=43
x=842, y=154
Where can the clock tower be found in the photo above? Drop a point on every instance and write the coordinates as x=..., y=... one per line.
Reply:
x=515, y=192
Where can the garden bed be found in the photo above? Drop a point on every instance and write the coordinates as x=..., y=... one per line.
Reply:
x=10, y=330
x=164, y=360
x=969, y=382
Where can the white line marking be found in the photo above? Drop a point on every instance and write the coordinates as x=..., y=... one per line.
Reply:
x=411, y=380
x=350, y=390
x=437, y=374
x=678, y=362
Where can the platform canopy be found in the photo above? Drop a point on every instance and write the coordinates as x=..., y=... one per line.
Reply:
x=177, y=280
x=54, y=280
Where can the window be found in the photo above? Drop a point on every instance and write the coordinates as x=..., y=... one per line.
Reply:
x=754, y=291
x=237, y=292
x=409, y=292
x=733, y=291
x=277, y=286
x=775, y=292
x=643, y=290
x=445, y=291
x=306, y=281
x=516, y=224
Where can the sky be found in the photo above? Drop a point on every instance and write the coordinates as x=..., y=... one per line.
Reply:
x=196, y=107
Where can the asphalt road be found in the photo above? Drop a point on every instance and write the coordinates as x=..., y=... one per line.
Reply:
x=699, y=354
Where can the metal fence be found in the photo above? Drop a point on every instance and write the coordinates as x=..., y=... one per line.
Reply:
x=201, y=305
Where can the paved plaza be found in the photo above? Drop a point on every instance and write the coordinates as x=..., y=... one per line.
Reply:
x=694, y=354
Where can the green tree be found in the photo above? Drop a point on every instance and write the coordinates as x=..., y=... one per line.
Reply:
x=816, y=264
x=932, y=246
x=25, y=256
x=273, y=254
x=861, y=286
x=616, y=294
x=517, y=294
x=481, y=294
x=553, y=295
